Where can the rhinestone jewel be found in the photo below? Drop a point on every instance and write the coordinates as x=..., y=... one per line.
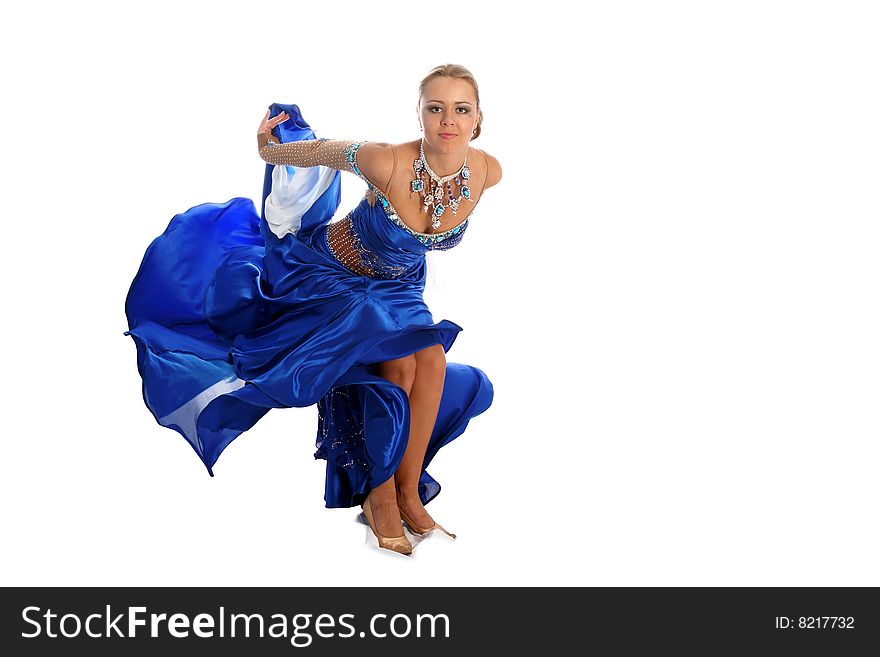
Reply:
x=432, y=192
x=442, y=241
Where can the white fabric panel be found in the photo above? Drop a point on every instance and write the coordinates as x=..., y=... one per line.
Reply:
x=294, y=190
x=185, y=416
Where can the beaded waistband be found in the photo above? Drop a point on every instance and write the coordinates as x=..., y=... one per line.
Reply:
x=346, y=246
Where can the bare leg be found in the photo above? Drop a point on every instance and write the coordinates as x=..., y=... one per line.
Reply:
x=383, y=500
x=424, y=399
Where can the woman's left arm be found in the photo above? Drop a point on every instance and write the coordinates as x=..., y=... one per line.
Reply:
x=493, y=171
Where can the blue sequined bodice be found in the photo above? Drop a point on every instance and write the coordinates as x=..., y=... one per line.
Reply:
x=369, y=243
x=430, y=241
x=372, y=240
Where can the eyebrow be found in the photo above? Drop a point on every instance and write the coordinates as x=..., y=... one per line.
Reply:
x=460, y=102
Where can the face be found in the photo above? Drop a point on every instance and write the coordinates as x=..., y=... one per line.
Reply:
x=448, y=106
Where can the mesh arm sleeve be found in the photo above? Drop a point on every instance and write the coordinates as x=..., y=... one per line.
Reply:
x=309, y=153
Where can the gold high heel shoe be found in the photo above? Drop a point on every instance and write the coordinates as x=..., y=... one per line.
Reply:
x=419, y=530
x=398, y=544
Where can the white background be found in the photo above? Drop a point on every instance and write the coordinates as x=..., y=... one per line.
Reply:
x=673, y=289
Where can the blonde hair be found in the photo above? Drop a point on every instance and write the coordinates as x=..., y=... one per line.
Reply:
x=460, y=72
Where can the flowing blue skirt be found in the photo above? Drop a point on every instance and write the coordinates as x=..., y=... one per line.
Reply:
x=230, y=321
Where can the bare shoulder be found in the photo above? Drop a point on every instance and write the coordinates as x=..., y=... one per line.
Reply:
x=375, y=159
x=493, y=174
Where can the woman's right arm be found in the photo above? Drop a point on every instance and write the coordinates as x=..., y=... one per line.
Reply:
x=307, y=153
x=374, y=160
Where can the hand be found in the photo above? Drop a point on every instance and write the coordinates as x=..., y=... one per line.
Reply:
x=268, y=124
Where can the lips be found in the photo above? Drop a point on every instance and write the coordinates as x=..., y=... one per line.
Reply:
x=448, y=134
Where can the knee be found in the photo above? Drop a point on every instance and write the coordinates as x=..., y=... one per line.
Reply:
x=400, y=370
x=432, y=360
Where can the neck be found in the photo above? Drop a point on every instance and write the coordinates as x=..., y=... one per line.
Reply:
x=444, y=163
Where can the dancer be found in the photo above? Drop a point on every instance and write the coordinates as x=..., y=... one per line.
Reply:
x=235, y=313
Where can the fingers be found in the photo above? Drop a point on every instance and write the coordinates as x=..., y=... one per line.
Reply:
x=274, y=121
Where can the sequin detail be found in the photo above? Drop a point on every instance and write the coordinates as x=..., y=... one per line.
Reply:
x=340, y=433
x=308, y=153
x=434, y=241
x=346, y=246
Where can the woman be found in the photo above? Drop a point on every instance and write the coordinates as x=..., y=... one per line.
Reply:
x=234, y=314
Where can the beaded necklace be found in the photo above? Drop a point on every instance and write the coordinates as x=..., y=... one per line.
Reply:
x=449, y=238
x=434, y=195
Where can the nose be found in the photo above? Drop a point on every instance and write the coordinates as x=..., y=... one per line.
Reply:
x=446, y=120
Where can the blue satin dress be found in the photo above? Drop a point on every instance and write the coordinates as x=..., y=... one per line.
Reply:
x=234, y=313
